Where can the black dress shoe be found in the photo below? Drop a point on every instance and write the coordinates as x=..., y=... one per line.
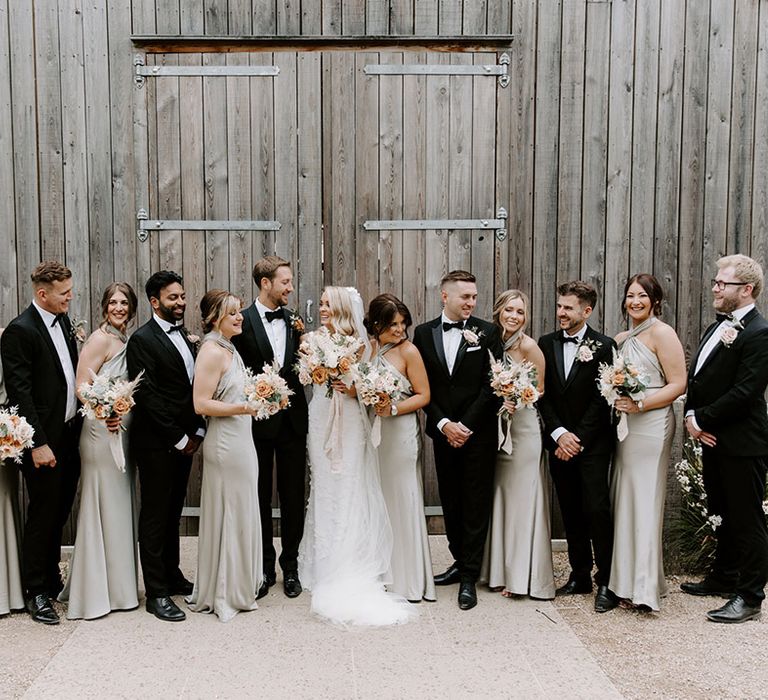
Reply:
x=449, y=576
x=291, y=584
x=270, y=578
x=41, y=609
x=263, y=590
x=467, y=595
x=605, y=599
x=575, y=586
x=735, y=610
x=182, y=587
x=165, y=609
x=707, y=587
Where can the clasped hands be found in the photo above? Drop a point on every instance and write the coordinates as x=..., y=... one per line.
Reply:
x=456, y=434
x=707, y=438
x=568, y=446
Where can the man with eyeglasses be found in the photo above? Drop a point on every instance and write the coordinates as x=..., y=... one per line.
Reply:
x=726, y=413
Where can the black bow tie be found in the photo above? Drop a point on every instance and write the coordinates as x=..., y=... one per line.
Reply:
x=448, y=326
x=569, y=339
x=724, y=317
x=57, y=319
x=273, y=315
x=175, y=328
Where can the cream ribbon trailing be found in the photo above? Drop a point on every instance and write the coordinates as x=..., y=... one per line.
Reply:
x=116, y=448
x=332, y=446
x=622, y=429
x=376, y=431
x=505, y=434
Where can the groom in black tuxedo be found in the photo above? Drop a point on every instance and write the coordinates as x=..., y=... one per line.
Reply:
x=461, y=422
x=726, y=412
x=271, y=332
x=39, y=355
x=165, y=433
x=579, y=437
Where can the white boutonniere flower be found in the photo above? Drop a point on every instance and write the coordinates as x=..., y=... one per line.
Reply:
x=192, y=338
x=730, y=333
x=297, y=323
x=78, y=331
x=472, y=335
x=587, y=349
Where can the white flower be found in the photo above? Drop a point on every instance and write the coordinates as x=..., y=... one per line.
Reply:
x=715, y=521
x=584, y=353
x=728, y=335
x=472, y=335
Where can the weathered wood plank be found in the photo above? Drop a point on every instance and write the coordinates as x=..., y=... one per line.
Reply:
x=644, y=138
x=499, y=16
x=376, y=15
x=745, y=48
x=759, y=240
x=366, y=129
x=289, y=17
x=545, y=164
x=401, y=17
x=425, y=21
x=311, y=19
x=474, y=17
x=331, y=16
x=570, y=151
x=450, y=15
x=618, y=200
x=264, y=16
x=9, y=288
x=668, y=145
x=596, y=92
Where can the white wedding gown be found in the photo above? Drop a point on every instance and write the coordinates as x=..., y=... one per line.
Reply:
x=347, y=544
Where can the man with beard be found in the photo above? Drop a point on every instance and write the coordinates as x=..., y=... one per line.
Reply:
x=165, y=433
x=726, y=413
x=272, y=334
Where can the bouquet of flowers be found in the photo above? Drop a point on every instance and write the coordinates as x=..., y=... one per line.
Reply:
x=325, y=357
x=621, y=378
x=109, y=397
x=15, y=434
x=514, y=382
x=267, y=392
x=375, y=384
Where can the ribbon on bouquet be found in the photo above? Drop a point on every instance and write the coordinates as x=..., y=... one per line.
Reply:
x=116, y=448
x=505, y=434
x=332, y=439
x=376, y=431
x=622, y=427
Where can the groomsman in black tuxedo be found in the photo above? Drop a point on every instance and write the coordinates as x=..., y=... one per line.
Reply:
x=726, y=412
x=579, y=437
x=271, y=332
x=461, y=422
x=165, y=433
x=39, y=355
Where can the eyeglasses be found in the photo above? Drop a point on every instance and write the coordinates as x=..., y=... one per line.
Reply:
x=722, y=285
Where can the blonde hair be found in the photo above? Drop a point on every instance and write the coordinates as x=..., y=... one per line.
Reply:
x=503, y=299
x=342, y=315
x=215, y=305
x=746, y=270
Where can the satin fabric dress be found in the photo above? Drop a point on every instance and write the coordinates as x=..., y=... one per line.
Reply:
x=103, y=570
x=638, y=489
x=229, y=555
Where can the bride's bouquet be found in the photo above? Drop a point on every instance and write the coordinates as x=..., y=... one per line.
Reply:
x=109, y=397
x=375, y=384
x=621, y=378
x=267, y=393
x=516, y=382
x=15, y=435
x=325, y=357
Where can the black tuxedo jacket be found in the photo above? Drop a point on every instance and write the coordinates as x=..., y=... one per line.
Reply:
x=34, y=378
x=574, y=402
x=465, y=395
x=164, y=411
x=256, y=350
x=727, y=395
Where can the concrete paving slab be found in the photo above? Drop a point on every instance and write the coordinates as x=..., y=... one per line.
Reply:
x=501, y=649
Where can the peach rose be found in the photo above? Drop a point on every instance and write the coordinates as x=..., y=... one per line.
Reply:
x=528, y=395
x=345, y=365
x=263, y=389
x=100, y=412
x=618, y=379
x=320, y=375
x=122, y=406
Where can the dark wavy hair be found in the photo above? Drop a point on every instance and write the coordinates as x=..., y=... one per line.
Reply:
x=161, y=280
x=651, y=287
x=583, y=291
x=381, y=313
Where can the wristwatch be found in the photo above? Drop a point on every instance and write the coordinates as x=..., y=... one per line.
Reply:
x=393, y=409
x=640, y=405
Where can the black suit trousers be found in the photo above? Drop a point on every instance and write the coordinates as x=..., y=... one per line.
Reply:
x=51, y=495
x=465, y=483
x=735, y=489
x=583, y=494
x=163, y=475
x=285, y=457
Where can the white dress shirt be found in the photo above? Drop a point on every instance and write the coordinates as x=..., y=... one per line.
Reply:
x=569, y=357
x=56, y=331
x=276, y=331
x=451, y=343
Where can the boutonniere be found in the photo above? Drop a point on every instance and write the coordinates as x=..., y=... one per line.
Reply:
x=192, y=338
x=587, y=349
x=730, y=333
x=78, y=331
x=472, y=335
x=296, y=321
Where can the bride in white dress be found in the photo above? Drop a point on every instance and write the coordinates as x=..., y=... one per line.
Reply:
x=347, y=544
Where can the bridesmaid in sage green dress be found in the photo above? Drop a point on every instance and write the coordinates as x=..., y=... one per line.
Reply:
x=104, y=564
x=229, y=558
x=642, y=458
x=11, y=593
x=400, y=450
